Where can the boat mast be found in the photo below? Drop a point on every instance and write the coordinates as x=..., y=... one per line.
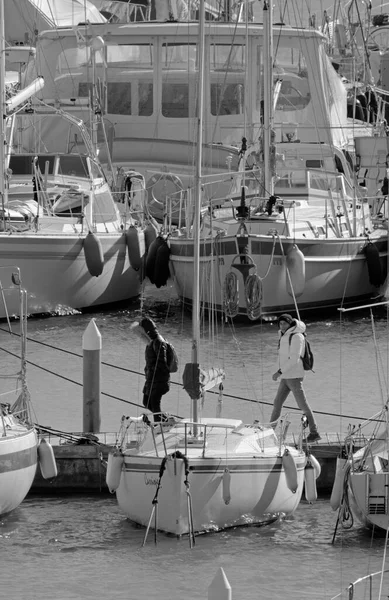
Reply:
x=197, y=207
x=3, y=112
x=268, y=110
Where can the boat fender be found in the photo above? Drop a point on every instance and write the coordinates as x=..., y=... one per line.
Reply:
x=47, y=462
x=151, y=232
x=361, y=98
x=151, y=256
x=337, y=488
x=114, y=470
x=227, y=486
x=310, y=483
x=373, y=264
x=290, y=471
x=295, y=271
x=161, y=267
x=94, y=255
x=133, y=247
x=316, y=465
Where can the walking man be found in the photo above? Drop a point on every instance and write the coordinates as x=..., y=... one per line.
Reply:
x=291, y=372
x=157, y=372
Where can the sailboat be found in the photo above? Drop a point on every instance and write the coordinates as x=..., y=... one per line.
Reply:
x=370, y=587
x=360, y=487
x=18, y=436
x=305, y=231
x=200, y=474
x=75, y=245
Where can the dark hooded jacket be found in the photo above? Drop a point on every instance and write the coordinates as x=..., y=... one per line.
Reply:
x=156, y=370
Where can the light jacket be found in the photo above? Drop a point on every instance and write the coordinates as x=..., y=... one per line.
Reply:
x=289, y=354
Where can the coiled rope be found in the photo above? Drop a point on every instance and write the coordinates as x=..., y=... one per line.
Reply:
x=231, y=295
x=253, y=294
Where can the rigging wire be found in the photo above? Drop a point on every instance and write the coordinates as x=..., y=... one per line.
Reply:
x=225, y=395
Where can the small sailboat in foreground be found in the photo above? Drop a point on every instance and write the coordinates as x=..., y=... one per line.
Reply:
x=198, y=474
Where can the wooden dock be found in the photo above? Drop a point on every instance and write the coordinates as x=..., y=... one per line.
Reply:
x=82, y=466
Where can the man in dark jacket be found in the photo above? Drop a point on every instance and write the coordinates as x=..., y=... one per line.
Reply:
x=156, y=370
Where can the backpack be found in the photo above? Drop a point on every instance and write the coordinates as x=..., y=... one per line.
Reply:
x=307, y=357
x=172, y=358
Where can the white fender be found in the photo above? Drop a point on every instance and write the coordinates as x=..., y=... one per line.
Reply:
x=290, y=471
x=295, y=271
x=310, y=483
x=227, y=486
x=133, y=247
x=337, y=488
x=114, y=470
x=47, y=462
x=316, y=465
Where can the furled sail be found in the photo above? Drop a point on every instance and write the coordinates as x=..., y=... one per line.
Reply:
x=196, y=380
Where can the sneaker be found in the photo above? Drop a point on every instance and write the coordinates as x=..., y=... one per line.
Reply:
x=314, y=436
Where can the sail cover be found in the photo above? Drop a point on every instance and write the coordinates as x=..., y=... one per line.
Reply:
x=197, y=381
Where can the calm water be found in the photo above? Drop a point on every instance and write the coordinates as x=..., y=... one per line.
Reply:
x=82, y=547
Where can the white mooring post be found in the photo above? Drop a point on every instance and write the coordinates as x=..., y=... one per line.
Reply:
x=220, y=588
x=91, y=347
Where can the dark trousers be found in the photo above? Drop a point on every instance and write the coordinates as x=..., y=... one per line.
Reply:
x=152, y=401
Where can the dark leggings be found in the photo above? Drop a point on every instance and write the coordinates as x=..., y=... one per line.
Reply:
x=152, y=401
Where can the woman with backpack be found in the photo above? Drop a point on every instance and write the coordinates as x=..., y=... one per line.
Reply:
x=159, y=364
x=291, y=349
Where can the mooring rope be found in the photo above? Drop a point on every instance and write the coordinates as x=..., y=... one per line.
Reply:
x=253, y=295
x=231, y=295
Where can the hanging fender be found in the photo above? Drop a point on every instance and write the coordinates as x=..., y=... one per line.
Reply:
x=161, y=267
x=47, y=462
x=152, y=255
x=133, y=247
x=316, y=465
x=94, y=256
x=226, y=486
x=290, y=469
x=151, y=232
x=295, y=271
x=310, y=483
x=337, y=488
x=114, y=470
x=373, y=264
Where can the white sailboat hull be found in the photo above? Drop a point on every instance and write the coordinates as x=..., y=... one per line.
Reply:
x=55, y=273
x=18, y=462
x=230, y=474
x=336, y=272
x=258, y=493
x=369, y=498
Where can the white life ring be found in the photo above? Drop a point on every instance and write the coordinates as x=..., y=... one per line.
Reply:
x=162, y=188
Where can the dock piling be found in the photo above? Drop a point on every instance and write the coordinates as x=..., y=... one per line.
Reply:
x=91, y=347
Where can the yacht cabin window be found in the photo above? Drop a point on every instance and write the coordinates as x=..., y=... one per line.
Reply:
x=179, y=80
x=227, y=72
